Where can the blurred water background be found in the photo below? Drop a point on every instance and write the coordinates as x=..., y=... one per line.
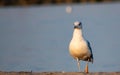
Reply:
x=37, y=38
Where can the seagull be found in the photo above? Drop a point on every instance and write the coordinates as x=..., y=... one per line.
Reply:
x=79, y=48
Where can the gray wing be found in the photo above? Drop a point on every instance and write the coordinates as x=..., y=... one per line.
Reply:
x=90, y=51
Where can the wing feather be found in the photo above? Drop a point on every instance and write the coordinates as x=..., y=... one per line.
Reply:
x=89, y=46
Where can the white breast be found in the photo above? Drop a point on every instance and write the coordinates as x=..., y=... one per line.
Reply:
x=78, y=47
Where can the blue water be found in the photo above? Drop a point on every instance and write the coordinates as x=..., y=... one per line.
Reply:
x=36, y=38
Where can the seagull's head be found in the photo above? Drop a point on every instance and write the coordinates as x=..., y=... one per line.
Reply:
x=78, y=25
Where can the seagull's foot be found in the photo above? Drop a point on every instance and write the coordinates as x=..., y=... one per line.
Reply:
x=86, y=69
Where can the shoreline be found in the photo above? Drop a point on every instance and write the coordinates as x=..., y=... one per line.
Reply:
x=57, y=73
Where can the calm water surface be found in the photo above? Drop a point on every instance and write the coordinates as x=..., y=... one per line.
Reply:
x=37, y=38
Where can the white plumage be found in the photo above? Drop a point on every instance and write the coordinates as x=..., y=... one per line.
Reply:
x=79, y=48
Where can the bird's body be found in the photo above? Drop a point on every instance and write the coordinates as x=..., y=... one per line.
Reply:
x=79, y=48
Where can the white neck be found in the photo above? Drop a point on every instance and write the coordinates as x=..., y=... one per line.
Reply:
x=77, y=34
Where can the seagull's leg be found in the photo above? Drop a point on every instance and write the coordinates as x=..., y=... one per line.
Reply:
x=86, y=68
x=78, y=63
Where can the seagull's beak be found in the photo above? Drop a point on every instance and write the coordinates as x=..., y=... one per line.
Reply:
x=78, y=27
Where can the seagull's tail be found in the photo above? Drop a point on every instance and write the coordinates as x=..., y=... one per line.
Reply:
x=92, y=60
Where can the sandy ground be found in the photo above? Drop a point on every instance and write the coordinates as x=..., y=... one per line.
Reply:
x=58, y=73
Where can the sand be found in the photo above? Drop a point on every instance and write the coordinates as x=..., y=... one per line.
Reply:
x=58, y=73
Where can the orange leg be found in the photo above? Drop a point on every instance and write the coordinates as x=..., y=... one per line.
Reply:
x=86, y=68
